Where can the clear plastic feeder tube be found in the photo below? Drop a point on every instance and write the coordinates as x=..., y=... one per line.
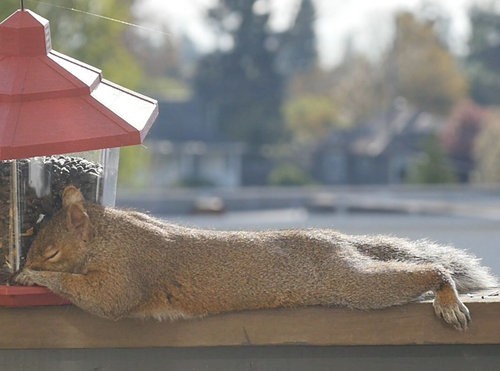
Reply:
x=30, y=192
x=14, y=260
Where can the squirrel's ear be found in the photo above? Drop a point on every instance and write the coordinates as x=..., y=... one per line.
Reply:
x=71, y=195
x=78, y=221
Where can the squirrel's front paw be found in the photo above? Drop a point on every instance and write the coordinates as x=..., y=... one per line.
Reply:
x=26, y=277
x=448, y=306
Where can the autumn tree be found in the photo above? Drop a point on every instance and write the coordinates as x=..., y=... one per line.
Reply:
x=357, y=88
x=420, y=68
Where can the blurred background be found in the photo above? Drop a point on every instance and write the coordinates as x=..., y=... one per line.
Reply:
x=367, y=117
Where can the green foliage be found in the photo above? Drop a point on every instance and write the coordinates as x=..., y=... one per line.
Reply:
x=7, y=7
x=195, y=182
x=240, y=85
x=310, y=118
x=433, y=167
x=135, y=163
x=353, y=88
x=483, y=61
x=289, y=175
x=166, y=88
x=421, y=69
x=96, y=41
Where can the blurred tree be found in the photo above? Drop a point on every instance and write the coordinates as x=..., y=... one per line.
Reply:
x=483, y=61
x=357, y=88
x=487, y=151
x=354, y=87
x=317, y=81
x=96, y=41
x=7, y=7
x=310, y=117
x=308, y=110
x=433, y=166
x=134, y=167
x=434, y=13
x=421, y=69
x=158, y=54
x=239, y=82
x=165, y=69
x=297, y=52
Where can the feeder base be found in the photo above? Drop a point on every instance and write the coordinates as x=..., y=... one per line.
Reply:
x=28, y=296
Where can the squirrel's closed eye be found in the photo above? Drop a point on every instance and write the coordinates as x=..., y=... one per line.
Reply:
x=52, y=254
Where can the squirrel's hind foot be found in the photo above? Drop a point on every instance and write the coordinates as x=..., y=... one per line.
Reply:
x=448, y=306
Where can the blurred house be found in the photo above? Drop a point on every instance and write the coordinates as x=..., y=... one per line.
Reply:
x=187, y=150
x=380, y=151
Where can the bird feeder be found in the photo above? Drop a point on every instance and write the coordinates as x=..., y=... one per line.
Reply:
x=60, y=124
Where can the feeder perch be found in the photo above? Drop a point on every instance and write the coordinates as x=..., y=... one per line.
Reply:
x=60, y=124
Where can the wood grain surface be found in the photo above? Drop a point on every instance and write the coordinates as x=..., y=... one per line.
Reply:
x=68, y=327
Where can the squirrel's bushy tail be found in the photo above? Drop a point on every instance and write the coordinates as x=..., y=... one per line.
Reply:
x=465, y=268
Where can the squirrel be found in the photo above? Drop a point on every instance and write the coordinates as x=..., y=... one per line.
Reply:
x=122, y=263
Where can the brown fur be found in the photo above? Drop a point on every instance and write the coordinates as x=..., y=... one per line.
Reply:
x=117, y=263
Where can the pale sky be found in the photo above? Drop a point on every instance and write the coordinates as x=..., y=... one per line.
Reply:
x=368, y=22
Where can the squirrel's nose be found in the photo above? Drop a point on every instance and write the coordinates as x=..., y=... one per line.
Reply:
x=29, y=265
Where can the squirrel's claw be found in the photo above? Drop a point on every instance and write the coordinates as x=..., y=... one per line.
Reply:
x=455, y=314
x=25, y=277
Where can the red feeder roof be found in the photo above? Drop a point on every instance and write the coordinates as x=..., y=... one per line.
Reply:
x=53, y=104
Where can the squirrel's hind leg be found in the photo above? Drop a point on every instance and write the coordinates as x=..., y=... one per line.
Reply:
x=378, y=284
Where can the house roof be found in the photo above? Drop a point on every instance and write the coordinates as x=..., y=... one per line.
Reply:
x=52, y=104
x=185, y=121
x=401, y=122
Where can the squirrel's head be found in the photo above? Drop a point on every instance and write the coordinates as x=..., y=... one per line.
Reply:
x=62, y=244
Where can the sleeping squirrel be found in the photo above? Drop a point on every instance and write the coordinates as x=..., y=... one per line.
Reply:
x=120, y=263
